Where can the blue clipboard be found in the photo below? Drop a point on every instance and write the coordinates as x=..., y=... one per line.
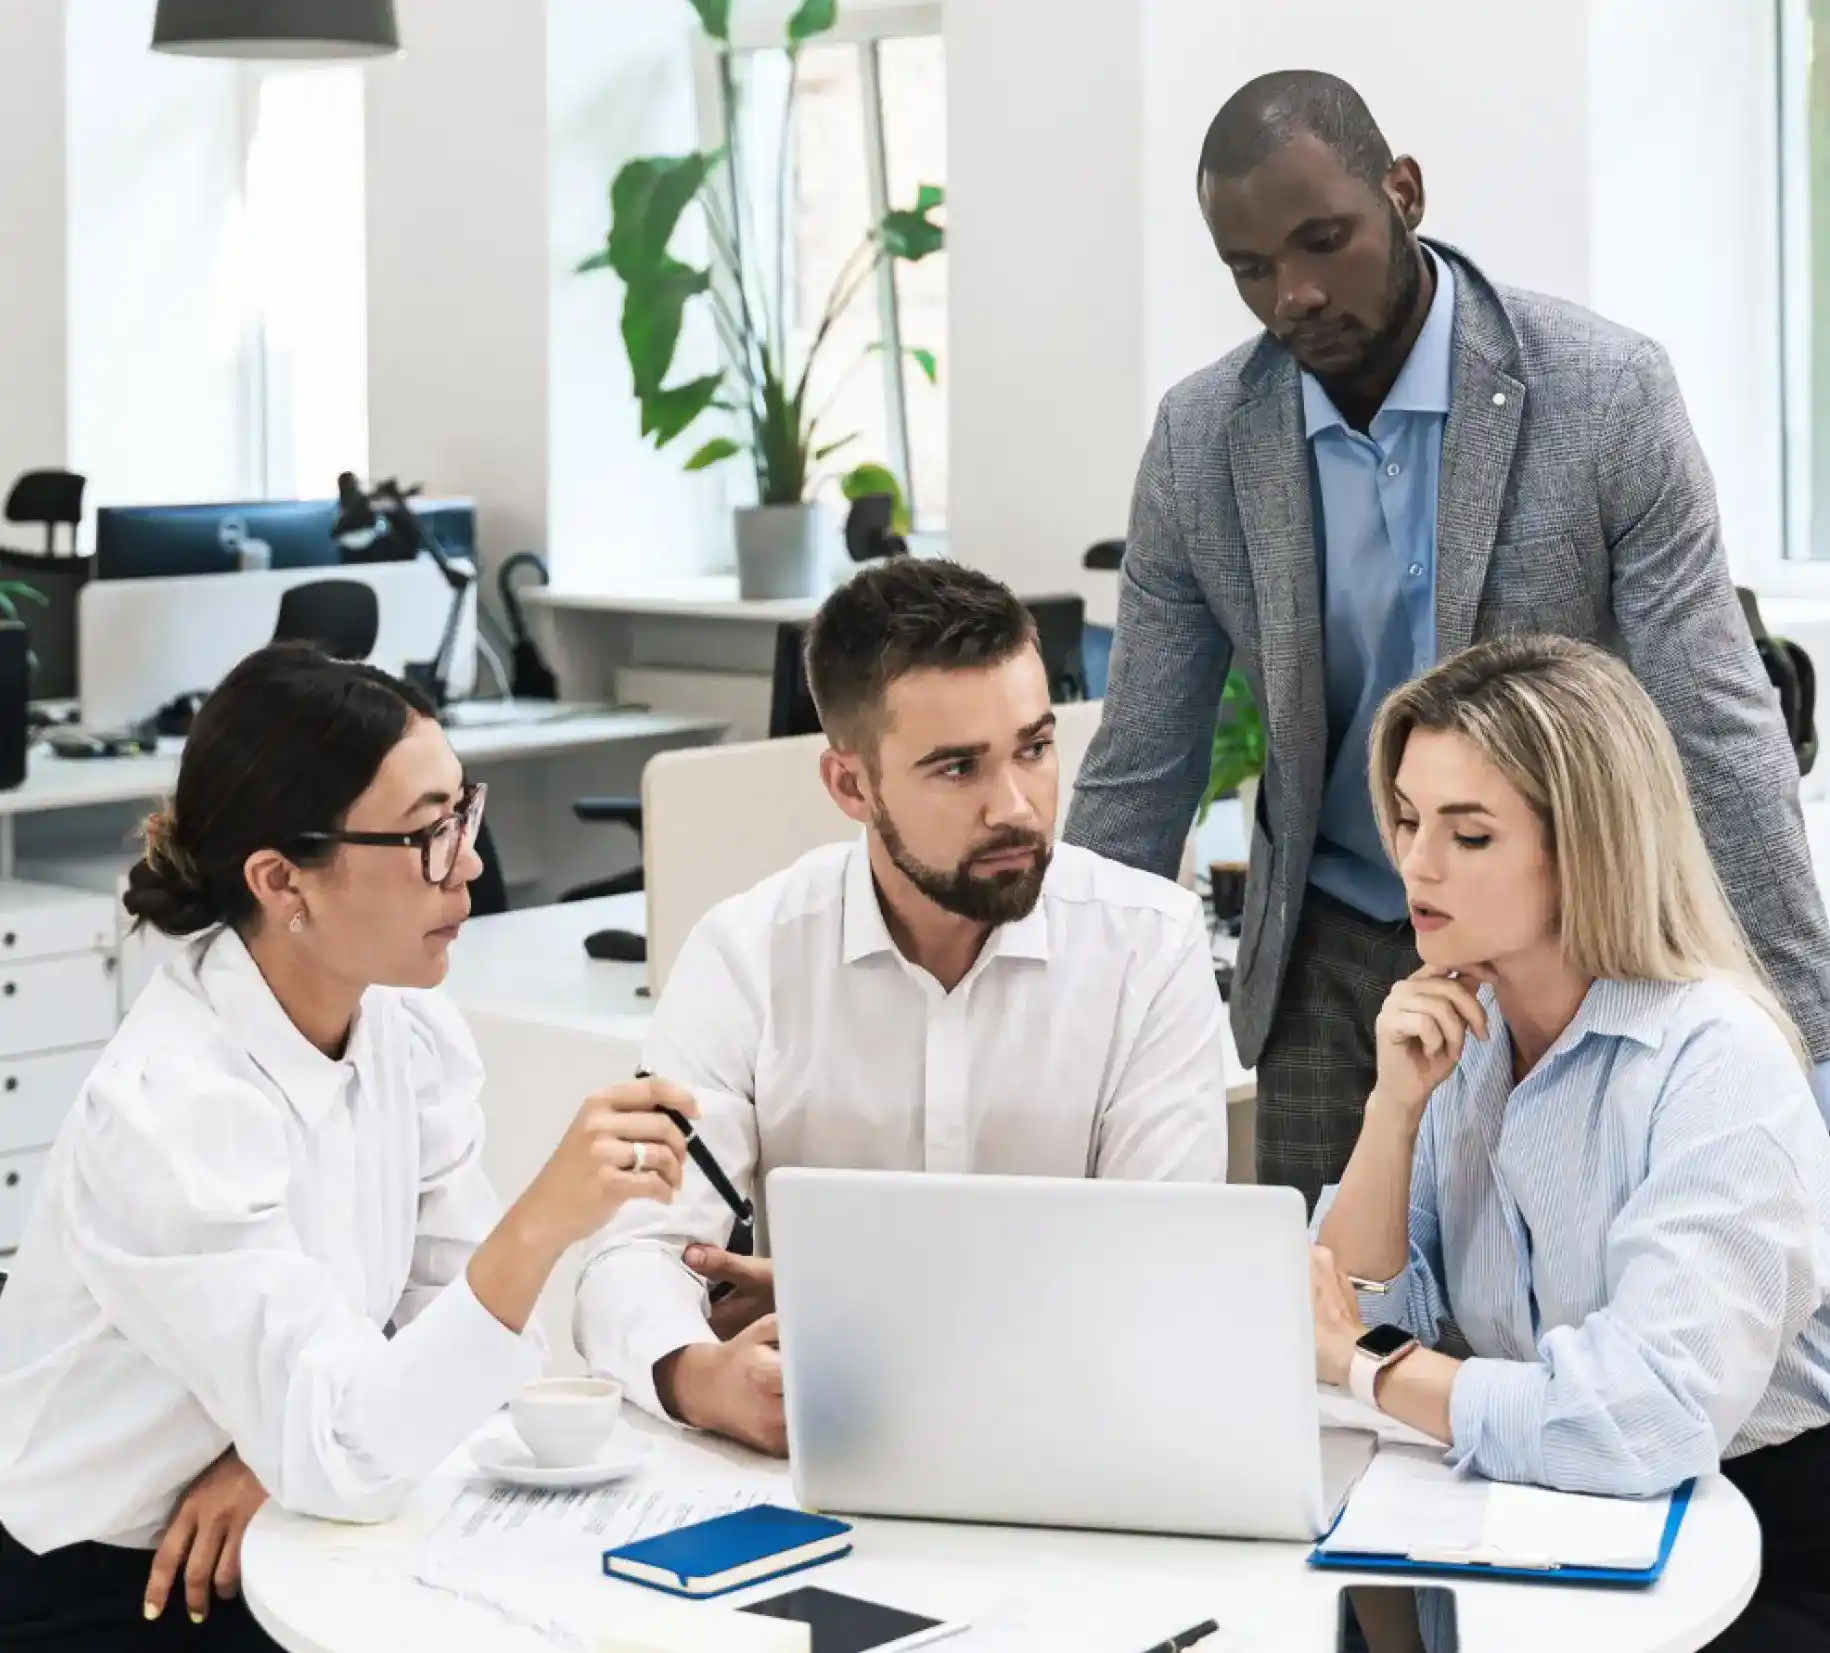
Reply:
x=1630, y=1578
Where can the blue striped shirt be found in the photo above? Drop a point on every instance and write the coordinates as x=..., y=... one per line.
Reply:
x=1635, y=1241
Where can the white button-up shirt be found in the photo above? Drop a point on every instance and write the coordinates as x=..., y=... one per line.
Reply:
x=1086, y=1040
x=228, y=1223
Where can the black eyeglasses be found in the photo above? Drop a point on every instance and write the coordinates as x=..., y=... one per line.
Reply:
x=439, y=845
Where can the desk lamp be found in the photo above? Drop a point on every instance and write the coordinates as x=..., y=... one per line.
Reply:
x=380, y=526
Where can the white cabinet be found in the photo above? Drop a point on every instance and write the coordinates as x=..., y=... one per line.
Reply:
x=59, y=1005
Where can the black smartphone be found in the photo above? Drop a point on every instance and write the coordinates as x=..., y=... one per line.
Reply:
x=844, y=1624
x=1397, y=1618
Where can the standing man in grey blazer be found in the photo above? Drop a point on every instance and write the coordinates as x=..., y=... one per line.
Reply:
x=1410, y=457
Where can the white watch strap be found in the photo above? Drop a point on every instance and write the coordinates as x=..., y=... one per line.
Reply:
x=1363, y=1377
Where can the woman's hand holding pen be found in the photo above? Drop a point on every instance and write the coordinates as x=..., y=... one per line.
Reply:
x=623, y=1145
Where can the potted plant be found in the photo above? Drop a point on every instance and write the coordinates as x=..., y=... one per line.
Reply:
x=763, y=389
x=1235, y=765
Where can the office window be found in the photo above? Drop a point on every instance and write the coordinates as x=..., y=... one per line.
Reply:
x=869, y=127
x=1805, y=251
x=216, y=269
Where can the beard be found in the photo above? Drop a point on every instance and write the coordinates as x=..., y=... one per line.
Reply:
x=1403, y=291
x=1000, y=898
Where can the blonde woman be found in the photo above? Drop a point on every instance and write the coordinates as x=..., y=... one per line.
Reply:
x=1619, y=1187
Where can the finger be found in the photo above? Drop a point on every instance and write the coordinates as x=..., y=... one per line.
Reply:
x=227, y=1578
x=1413, y=1027
x=206, y=1547
x=725, y=1266
x=1461, y=996
x=645, y=1095
x=624, y=1186
x=641, y=1157
x=605, y=1127
x=769, y=1372
x=764, y=1330
x=167, y=1559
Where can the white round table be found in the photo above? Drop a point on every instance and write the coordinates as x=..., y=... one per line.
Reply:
x=323, y=1588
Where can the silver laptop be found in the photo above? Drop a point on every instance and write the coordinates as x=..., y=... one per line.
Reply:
x=1035, y=1350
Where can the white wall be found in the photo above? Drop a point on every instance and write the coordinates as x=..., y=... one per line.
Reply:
x=457, y=237
x=619, y=84
x=159, y=393
x=32, y=319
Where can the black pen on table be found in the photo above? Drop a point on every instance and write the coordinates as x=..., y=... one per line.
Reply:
x=1187, y=1639
x=702, y=1156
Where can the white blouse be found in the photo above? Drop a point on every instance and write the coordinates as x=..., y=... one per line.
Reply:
x=239, y=1241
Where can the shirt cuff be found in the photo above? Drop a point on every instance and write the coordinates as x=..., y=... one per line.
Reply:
x=440, y=1379
x=1496, y=1419
x=635, y=1307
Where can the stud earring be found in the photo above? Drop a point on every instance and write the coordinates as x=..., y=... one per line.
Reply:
x=297, y=924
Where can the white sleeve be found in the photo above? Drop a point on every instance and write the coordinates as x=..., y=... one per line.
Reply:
x=458, y=1206
x=637, y=1300
x=1165, y=1120
x=180, y=1228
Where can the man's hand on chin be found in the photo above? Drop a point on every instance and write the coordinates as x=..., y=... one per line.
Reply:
x=752, y=1283
x=732, y=1388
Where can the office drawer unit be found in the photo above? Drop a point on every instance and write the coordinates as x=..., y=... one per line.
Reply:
x=59, y=1004
x=36, y=1093
x=19, y=1174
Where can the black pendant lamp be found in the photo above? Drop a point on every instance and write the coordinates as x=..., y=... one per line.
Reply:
x=276, y=29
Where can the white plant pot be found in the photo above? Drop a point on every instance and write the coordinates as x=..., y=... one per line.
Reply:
x=1248, y=809
x=782, y=551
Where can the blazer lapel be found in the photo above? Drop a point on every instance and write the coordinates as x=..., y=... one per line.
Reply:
x=1486, y=407
x=1271, y=485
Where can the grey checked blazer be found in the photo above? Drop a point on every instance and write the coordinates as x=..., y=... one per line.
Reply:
x=1574, y=499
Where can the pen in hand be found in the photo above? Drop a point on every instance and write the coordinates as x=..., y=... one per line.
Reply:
x=703, y=1157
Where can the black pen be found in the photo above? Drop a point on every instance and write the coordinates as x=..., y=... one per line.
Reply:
x=1187, y=1639
x=702, y=1157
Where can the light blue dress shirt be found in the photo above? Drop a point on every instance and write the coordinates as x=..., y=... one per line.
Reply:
x=1375, y=535
x=1635, y=1242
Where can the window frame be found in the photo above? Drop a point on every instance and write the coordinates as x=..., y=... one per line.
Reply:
x=863, y=25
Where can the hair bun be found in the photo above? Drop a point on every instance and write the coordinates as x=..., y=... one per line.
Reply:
x=165, y=887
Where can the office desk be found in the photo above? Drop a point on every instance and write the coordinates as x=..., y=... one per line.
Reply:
x=326, y=1589
x=482, y=733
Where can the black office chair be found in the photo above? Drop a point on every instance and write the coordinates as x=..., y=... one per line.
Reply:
x=50, y=498
x=342, y=617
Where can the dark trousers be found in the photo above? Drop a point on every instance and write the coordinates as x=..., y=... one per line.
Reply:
x=1317, y=1066
x=86, y=1598
x=1789, y=1488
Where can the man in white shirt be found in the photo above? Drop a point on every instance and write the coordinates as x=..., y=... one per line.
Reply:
x=949, y=992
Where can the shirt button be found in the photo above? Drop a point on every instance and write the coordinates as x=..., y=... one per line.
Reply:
x=1499, y=398
x=1393, y=468
x=1416, y=571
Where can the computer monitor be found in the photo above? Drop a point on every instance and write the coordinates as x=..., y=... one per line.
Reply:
x=138, y=542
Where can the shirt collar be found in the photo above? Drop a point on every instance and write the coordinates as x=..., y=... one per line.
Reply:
x=1636, y=1010
x=866, y=933
x=239, y=994
x=1423, y=383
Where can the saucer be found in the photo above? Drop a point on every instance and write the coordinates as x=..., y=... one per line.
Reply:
x=504, y=1456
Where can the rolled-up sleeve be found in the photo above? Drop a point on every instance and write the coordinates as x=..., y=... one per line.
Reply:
x=1715, y=1264
x=638, y=1302
x=1417, y=1299
x=180, y=1227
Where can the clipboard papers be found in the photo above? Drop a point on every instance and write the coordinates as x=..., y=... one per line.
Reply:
x=1411, y=1513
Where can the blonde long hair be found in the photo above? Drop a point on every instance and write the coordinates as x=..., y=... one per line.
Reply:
x=1570, y=727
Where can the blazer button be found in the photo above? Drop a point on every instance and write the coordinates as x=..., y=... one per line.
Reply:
x=1499, y=398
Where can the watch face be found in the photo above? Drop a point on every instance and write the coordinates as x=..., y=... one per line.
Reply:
x=1382, y=1342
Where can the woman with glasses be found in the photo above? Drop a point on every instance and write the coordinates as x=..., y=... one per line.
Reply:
x=264, y=1260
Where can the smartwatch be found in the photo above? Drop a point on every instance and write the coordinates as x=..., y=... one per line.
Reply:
x=1381, y=1347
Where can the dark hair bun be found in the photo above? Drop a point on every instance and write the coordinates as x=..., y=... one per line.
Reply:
x=164, y=888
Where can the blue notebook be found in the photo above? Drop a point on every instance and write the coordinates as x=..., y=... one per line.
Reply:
x=730, y=1552
x=1546, y=1569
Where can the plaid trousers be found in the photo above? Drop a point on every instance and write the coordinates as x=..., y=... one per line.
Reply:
x=1317, y=1066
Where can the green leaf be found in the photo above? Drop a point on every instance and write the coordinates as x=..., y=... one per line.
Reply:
x=813, y=17
x=720, y=447
x=646, y=200
x=924, y=359
x=864, y=480
x=12, y=589
x=714, y=17
x=654, y=308
x=910, y=232
x=831, y=448
x=597, y=261
x=665, y=413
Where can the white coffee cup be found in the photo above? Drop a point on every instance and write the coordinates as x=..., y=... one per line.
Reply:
x=565, y=1422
